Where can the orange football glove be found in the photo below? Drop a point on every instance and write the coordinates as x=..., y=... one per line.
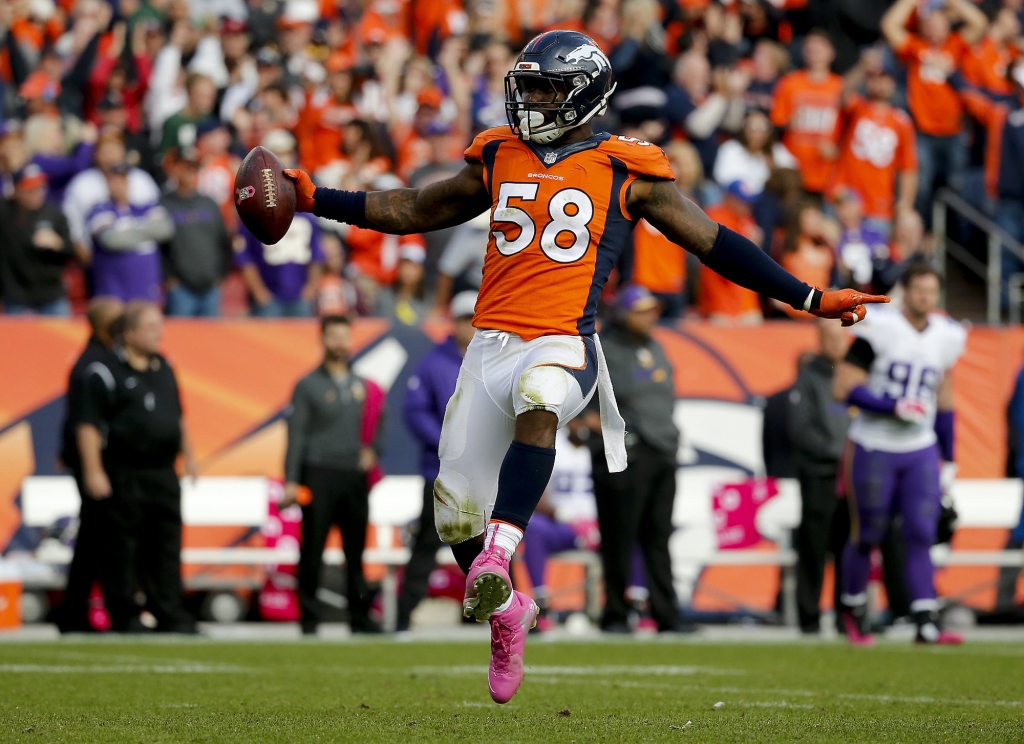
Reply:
x=304, y=189
x=846, y=304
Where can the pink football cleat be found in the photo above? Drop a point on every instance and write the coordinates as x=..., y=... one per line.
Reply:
x=508, y=644
x=488, y=585
x=929, y=630
x=944, y=638
x=856, y=634
x=938, y=637
x=544, y=624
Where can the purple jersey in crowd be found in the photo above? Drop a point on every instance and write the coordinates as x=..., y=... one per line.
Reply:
x=60, y=169
x=128, y=274
x=284, y=266
x=860, y=251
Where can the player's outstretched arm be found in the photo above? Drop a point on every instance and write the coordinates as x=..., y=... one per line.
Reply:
x=735, y=257
x=398, y=211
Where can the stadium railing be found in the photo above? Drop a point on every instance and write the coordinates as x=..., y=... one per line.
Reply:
x=989, y=270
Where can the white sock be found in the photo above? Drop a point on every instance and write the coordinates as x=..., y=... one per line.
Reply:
x=503, y=535
x=924, y=605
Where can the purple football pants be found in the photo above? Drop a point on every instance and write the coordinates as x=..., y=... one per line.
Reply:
x=885, y=484
x=544, y=537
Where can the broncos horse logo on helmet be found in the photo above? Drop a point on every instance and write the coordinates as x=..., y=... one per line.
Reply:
x=590, y=52
x=570, y=79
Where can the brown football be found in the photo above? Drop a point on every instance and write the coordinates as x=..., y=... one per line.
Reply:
x=264, y=196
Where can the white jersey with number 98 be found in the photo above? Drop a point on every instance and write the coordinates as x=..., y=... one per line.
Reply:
x=907, y=364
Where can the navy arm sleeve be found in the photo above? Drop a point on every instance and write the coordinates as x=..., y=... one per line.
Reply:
x=740, y=261
x=341, y=206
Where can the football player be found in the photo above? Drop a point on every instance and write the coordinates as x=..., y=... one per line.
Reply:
x=896, y=373
x=562, y=201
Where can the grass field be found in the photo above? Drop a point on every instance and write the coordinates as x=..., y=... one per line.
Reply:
x=208, y=691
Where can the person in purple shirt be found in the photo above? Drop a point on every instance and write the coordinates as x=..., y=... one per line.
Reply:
x=283, y=278
x=47, y=132
x=863, y=249
x=126, y=260
x=430, y=386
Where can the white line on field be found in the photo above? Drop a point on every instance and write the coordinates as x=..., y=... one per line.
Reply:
x=590, y=671
x=921, y=699
x=120, y=669
x=773, y=704
x=582, y=674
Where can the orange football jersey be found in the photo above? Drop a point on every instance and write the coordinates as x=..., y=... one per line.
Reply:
x=984, y=66
x=808, y=110
x=933, y=103
x=558, y=224
x=879, y=142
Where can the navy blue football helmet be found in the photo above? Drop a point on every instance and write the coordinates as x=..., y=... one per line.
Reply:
x=572, y=78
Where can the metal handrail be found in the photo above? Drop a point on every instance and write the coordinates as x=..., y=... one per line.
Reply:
x=998, y=239
x=1015, y=291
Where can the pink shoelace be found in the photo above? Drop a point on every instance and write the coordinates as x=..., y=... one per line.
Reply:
x=502, y=644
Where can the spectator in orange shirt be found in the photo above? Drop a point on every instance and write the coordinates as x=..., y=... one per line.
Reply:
x=986, y=63
x=431, y=139
x=372, y=256
x=878, y=150
x=809, y=252
x=807, y=108
x=931, y=56
x=720, y=300
x=326, y=113
x=435, y=21
x=360, y=160
x=659, y=265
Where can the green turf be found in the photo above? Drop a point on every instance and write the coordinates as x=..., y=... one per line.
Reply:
x=390, y=691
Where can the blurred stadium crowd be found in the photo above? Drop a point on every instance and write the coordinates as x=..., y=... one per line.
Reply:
x=820, y=129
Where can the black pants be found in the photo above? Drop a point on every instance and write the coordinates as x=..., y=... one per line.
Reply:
x=143, y=547
x=636, y=506
x=93, y=527
x=340, y=497
x=894, y=569
x=422, y=561
x=824, y=528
